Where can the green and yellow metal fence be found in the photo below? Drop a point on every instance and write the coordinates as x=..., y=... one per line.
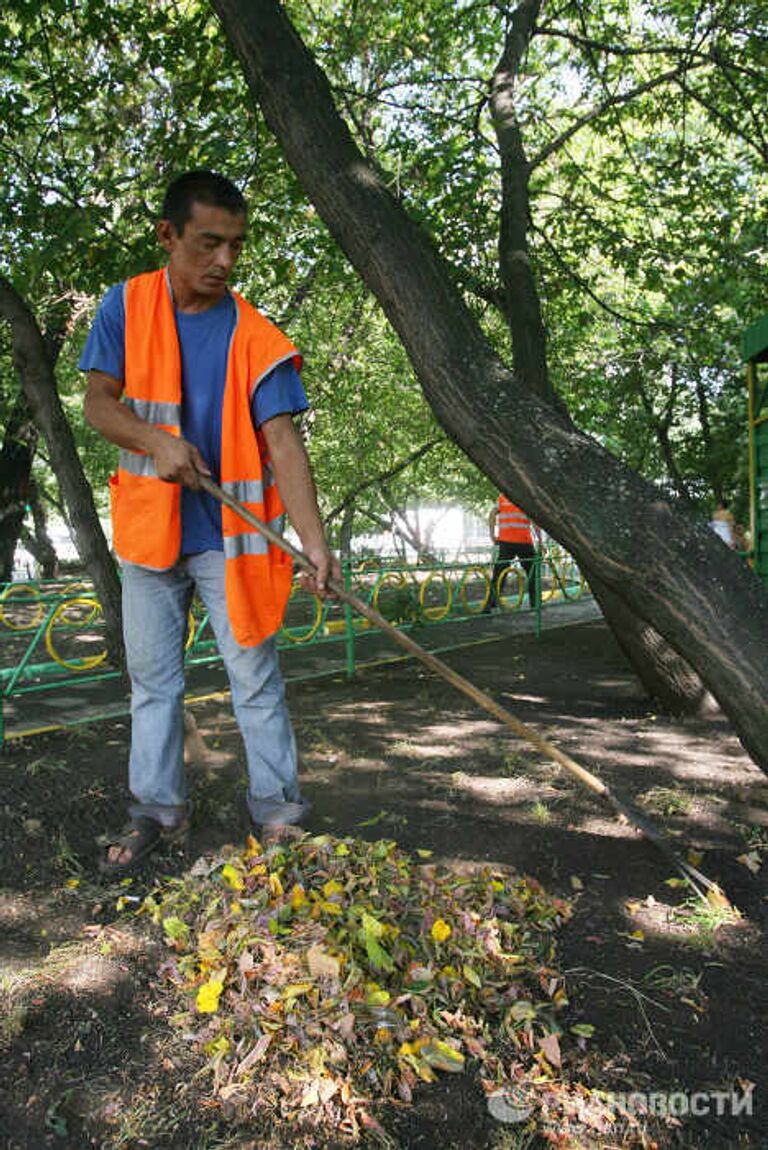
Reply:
x=52, y=632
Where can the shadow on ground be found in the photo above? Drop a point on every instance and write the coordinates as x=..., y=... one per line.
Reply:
x=674, y=990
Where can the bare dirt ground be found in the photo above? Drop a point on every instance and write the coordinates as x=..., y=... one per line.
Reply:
x=675, y=991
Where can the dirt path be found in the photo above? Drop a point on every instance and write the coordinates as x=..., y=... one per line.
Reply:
x=675, y=994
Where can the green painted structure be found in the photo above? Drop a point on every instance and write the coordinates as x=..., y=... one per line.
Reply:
x=755, y=355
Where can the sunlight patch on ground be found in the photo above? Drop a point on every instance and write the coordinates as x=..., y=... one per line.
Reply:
x=503, y=790
x=604, y=827
x=517, y=697
x=694, y=922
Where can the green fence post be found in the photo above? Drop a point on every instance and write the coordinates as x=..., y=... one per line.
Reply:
x=538, y=568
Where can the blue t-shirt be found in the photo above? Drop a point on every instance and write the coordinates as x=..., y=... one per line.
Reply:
x=204, y=339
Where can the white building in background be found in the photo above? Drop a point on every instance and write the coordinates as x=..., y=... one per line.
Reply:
x=447, y=531
x=24, y=563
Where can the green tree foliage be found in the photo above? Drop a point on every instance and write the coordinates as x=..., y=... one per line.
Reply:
x=643, y=129
x=643, y=132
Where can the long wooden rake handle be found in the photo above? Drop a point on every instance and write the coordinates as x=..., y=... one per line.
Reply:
x=585, y=777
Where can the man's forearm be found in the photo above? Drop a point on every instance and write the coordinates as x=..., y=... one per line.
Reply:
x=291, y=469
x=176, y=461
x=119, y=424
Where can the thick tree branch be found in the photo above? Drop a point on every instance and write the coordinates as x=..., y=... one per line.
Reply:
x=522, y=306
x=606, y=515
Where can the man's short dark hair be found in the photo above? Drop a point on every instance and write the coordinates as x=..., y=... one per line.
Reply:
x=200, y=187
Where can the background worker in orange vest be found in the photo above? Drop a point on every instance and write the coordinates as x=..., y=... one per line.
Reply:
x=513, y=533
x=185, y=377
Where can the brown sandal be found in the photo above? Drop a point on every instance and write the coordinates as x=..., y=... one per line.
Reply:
x=141, y=837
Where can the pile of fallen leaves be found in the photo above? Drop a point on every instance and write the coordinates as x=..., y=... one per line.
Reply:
x=328, y=974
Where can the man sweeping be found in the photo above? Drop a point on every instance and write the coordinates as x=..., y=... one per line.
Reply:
x=187, y=378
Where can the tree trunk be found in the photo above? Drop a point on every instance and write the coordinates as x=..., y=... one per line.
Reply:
x=521, y=303
x=664, y=675
x=39, y=542
x=666, y=568
x=33, y=363
x=16, y=457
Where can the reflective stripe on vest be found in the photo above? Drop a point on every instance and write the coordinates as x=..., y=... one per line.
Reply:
x=135, y=463
x=251, y=542
x=513, y=525
x=158, y=414
x=249, y=490
x=147, y=510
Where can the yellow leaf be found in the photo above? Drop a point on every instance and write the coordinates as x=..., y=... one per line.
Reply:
x=332, y=887
x=376, y=996
x=424, y=854
x=275, y=886
x=441, y=1056
x=440, y=930
x=298, y=897
x=330, y=907
x=208, y=945
x=208, y=996
x=295, y=989
x=72, y=883
x=232, y=877
x=252, y=848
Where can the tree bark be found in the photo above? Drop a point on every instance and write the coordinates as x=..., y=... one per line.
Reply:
x=33, y=362
x=521, y=305
x=666, y=568
x=665, y=675
x=16, y=457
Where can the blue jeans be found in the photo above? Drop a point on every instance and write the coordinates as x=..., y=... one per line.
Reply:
x=155, y=609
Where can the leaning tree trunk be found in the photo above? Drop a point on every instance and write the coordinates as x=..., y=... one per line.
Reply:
x=662, y=672
x=33, y=363
x=665, y=675
x=668, y=570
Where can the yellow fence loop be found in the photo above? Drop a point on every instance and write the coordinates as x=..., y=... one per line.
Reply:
x=550, y=580
x=59, y=616
x=191, y=629
x=510, y=602
x=34, y=604
x=438, y=612
x=474, y=573
x=394, y=579
x=293, y=634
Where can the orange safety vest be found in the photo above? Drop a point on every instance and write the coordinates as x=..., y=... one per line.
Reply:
x=146, y=511
x=512, y=524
